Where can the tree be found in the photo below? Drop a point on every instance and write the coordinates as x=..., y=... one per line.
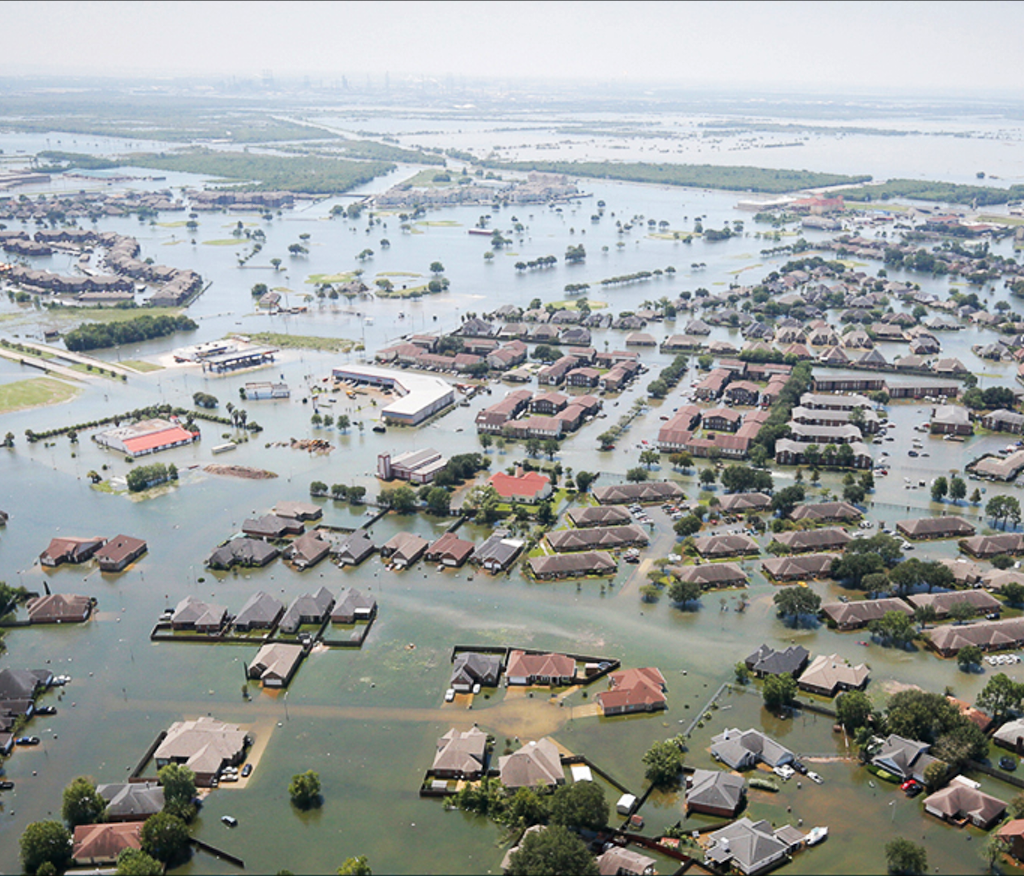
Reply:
x=853, y=568
x=940, y=487
x=1003, y=508
x=962, y=611
x=663, y=762
x=925, y=614
x=975, y=497
x=359, y=866
x=533, y=446
x=786, y=499
x=992, y=850
x=401, y=499
x=607, y=439
x=684, y=592
x=957, y=488
x=318, y=488
x=853, y=709
x=904, y=858
x=82, y=805
x=135, y=862
x=436, y=268
x=649, y=458
x=707, y=476
x=791, y=602
x=304, y=789
x=439, y=501
x=165, y=837
x=893, y=628
x=527, y=807
x=584, y=479
x=1013, y=593
x=343, y=422
x=45, y=842
x=968, y=657
x=778, y=691
x=1001, y=696
x=688, y=525
x=550, y=447
x=636, y=475
x=179, y=784
x=553, y=851
x=580, y=805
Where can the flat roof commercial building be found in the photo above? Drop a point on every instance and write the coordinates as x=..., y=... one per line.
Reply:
x=421, y=396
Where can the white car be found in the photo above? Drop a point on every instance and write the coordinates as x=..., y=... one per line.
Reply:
x=784, y=772
x=449, y=695
x=814, y=777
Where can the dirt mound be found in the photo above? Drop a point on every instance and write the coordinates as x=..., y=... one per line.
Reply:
x=241, y=471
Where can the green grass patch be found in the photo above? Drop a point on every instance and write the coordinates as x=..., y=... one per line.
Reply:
x=139, y=365
x=425, y=179
x=342, y=277
x=1001, y=220
x=671, y=235
x=399, y=274
x=181, y=223
x=33, y=393
x=439, y=223
x=304, y=342
x=85, y=369
x=870, y=205
x=747, y=268
x=224, y=241
x=79, y=315
x=573, y=304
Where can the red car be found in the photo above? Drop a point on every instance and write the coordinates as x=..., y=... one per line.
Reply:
x=911, y=787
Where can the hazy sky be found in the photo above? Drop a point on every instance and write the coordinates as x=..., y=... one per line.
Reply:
x=906, y=45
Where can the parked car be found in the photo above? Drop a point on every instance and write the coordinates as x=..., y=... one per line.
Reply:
x=449, y=695
x=6, y=786
x=27, y=740
x=909, y=785
x=229, y=820
x=784, y=772
x=246, y=770
x=799, y=767
x=814, y=777
x=46, y=710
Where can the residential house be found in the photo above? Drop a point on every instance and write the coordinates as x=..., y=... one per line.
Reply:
x=205, y=745
x=962, y=801
x=767, y=661
x=617, y=861
x=633, y=690
x=950, y=420
x=260, y=612
x=712, y=575
x=1003, y=421
x=967, y=574
x=530, y=486
x=498, y=552
x=996, y=635
x=713, y=547
x=548, y=403
x=826, y=512
x=270, y=526
x=743, y=750
x=583, y=377
x=984, y=547
x=275, y=663
x=307, y=550
x=599, y=515
x=606, y=537
x=96, y=844
x=741, y=503
x=1011, y=735
x=827, y=539
x=712, y=386
x=536, y=763
x=714, y=792
x=354, y=548
x=194, y=614
x=649, y=491
x=70, y=550
x=449, y=550
x=470, y=668
x=59, y=608
x=119, y=552
x=828, y=675
x=539, y=668
x=131, y=801
x=298, y=510
x=353, y=605
x=854, y=615
x=1012, y=835
x=751, y=847
x=574, y=565
x=792, y=568
x=460, y=755
x=243, y=552
x=904, y=758
x=935, y=527
x=309, y=608
x=404, y=548
x=722, y=419
x=981, y=601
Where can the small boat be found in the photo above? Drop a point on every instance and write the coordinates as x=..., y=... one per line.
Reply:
x=817, y=835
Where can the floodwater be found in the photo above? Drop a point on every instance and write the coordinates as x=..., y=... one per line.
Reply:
x=368, y=720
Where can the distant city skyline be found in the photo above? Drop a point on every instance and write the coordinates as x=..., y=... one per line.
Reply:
x=903, y=46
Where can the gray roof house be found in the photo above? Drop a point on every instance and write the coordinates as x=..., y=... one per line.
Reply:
x=744, y=749
x=535, y=763
x=355, y=548
x=131, y=801
x=353, y=605
x=460, y=755
x=310, y=608
x=261, y=611
x=714, y=792
x=750, y=846
x=905, y=758
x=243, y=552
x=470, y=667
x=767, y=661
x=498, y=552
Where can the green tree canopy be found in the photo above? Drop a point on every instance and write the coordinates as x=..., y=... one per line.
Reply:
x=46, y=842
x=304, y=789
x=778, y=691
x=791, y=602
x=580, y=805
x=904, y=858
x=165, y=837
x=684, y=592
x=357, y=866
x=853, y=708
x=135, y=862
x=1001, y=696
x=179, y=783
x=82, y=805
x=553, y=851
x=663, y=762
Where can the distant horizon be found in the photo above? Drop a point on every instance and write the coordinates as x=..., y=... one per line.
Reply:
x=827, y=48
